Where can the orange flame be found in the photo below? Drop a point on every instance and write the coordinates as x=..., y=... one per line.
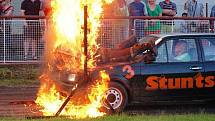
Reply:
x=67, y=55
x=88, y=108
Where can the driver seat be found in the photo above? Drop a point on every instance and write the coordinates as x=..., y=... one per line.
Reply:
x=193, y=54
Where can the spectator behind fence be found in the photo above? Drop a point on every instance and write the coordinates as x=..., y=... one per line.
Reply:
x=1, y=6
x=114, y=30
x=0, y=14
x=212, y=11
x=137, y=8
x=121, y=25
x=184, y=24
x=32, y=28
x=212, y=15
x=47, y=7
x=169, y=10
x=6, y=10
x=153, y=10
x=194, y=8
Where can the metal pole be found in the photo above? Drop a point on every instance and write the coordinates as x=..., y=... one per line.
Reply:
x=85, y=65
x=206, y=9
x=85, y=44
x=65, y=102
x=172, y=26
x=4, y=36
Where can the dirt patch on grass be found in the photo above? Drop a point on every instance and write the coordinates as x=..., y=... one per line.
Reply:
x=13, y=101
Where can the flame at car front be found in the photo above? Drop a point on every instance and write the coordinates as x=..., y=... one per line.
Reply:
x=66, y=55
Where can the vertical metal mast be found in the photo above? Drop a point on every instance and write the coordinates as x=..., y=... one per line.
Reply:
x=85, y=63
x=85, y=44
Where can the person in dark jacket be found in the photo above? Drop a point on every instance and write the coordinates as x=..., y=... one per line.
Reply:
x=32, y=28
x=137, y=8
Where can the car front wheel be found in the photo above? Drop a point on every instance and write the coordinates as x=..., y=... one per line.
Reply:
x=116, y=96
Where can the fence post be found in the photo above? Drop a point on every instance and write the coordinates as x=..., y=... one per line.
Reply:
x=173, y=25
x=4, y=37
x=206, y=8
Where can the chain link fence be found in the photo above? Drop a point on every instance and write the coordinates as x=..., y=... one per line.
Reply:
x=23, y=41
x=146, y=27
x=113, y=32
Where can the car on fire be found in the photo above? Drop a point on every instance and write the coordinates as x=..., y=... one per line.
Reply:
x=165, y=79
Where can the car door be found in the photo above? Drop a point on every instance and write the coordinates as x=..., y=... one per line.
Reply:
x=166, y=78
x=208, y=46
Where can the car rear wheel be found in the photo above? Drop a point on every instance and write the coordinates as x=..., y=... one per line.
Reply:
x=117, y=97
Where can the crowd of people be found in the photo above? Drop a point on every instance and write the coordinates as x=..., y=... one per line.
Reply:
x=167, y=8
x=193, y=8
x=153, y=8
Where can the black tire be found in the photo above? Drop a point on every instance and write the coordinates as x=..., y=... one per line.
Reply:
x=117, y=97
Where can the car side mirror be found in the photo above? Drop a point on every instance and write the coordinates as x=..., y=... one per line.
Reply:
x=151, y=54
x=147, y=52
x=148, y=56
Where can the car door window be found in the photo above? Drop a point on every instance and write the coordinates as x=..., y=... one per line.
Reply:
x=208, y=45
x=182, y=50
x=162, y=55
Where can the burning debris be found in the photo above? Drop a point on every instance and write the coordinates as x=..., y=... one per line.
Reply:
x=66, y=59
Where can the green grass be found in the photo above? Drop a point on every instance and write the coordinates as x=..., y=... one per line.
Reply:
x=18, y=82
x=184, y=117
x=19, y=75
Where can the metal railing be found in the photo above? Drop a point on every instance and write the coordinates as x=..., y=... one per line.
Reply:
x=115, y=30
x=21, y=40
x=146, y=27
x=25, y=44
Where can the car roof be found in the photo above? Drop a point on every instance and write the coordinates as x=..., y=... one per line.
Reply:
x=161, y=36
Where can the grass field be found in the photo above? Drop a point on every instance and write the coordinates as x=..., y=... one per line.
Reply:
x=18, y=82
x=19, y=75
x=185, y=117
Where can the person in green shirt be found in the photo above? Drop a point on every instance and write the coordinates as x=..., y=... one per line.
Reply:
x=153, y=10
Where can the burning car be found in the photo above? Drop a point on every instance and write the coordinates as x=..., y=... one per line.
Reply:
x=162, y=78
x=151, y=72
